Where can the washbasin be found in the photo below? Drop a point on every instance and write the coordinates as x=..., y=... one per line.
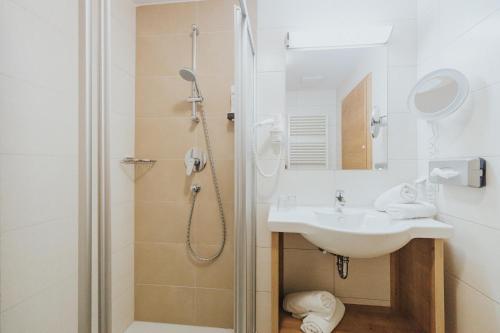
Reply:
x=354, y=232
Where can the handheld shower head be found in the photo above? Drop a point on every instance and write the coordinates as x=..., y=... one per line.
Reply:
x=189, y=75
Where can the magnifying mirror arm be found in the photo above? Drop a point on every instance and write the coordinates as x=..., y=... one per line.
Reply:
x=379, y=121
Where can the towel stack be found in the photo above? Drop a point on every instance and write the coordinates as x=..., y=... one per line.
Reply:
x=401, y=203
x=320, y=311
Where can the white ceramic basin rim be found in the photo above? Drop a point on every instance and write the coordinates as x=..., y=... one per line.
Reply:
x=357, y=233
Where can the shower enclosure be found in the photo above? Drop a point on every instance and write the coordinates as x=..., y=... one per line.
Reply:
x=177, y=183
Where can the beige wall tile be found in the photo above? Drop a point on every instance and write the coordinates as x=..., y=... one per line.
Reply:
x=206, y=224
x=216, y=55
x=166, y=181
x=296, y=241
x=308, y=270
x=161, y=19
x=214, y=307
x=164, y=138
x=216, y=15
x=216, y=90
x=162, y=96
x=367, y=279
x=163, y=55
x=223, y=140
x=161, y=221
x=225, y=176
x=221, y=137
x=219, y=274
x=163, y=263
x=165, y=304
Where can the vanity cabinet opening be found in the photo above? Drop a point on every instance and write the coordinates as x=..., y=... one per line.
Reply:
x=417, y=294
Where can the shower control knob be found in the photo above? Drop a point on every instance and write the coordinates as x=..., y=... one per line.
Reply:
x=195, y=188
x=195, y=160
x=189, y=167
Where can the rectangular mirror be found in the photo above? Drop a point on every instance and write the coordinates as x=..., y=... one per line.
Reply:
x=337, y=108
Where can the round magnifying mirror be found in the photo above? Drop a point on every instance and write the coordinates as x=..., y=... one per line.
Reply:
x=438, y=94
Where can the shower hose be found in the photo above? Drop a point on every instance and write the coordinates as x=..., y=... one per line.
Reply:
x=195, y=190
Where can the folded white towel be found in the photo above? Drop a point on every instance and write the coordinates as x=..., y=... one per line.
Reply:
x=318, y=323
x=302, y=303
x=403, y=193
x=415, y=210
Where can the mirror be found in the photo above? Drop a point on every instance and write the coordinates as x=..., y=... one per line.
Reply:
x=349, y=87
x=438, y=94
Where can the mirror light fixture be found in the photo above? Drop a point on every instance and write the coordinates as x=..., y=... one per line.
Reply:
x=339, y=38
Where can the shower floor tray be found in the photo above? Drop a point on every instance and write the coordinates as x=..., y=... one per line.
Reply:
x=145, y=327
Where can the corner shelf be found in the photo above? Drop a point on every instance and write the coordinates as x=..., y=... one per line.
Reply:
x=138, y=161
x=140, y=166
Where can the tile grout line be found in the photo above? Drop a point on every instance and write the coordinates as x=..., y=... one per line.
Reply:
x=472, y=287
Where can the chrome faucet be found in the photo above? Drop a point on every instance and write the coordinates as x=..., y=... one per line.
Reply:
x=339, y=200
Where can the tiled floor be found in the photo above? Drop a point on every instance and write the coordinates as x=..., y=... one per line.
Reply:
x=143, y=327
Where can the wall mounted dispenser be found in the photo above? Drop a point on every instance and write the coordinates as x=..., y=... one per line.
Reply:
x=466, y=172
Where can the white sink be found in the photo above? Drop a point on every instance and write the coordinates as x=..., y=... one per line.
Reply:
x=357, y=233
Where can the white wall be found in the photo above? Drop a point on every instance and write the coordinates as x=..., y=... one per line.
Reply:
x=466, y=35
x=122, y=141
x=38, y=165
x=275, y=18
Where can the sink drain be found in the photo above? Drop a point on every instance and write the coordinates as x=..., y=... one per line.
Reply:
x=343, y=266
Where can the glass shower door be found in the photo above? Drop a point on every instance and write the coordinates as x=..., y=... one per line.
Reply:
x=244, y=108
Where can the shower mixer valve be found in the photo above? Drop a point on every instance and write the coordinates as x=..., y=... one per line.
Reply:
x=195, y=160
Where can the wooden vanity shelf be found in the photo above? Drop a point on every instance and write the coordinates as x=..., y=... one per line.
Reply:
x=417, y=294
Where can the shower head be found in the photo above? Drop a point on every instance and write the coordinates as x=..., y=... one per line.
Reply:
x=189, y=75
